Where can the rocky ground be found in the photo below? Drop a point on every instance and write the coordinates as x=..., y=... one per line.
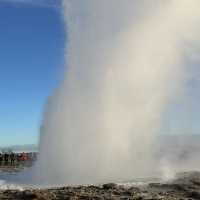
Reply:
x=185, y=187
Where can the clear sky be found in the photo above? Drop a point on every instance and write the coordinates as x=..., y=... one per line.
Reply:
x=31, y=64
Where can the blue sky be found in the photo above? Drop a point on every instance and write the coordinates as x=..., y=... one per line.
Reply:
x=31, y=65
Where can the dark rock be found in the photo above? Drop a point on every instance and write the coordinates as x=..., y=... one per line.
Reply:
x=109, y=186
x=27, y=195
x=194, y=195
x=196, y=182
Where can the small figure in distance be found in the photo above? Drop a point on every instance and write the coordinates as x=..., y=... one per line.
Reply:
x=18, y=158
x=1, y=159
x=6, y=157
x=12, y=158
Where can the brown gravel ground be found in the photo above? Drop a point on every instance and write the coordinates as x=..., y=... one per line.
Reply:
x=185, y=187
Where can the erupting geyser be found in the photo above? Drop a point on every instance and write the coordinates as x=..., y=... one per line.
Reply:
x=124, y=63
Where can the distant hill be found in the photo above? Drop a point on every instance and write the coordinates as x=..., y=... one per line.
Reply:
x=21, y=148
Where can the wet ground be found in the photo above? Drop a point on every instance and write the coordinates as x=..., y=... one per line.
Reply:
x=185, y=187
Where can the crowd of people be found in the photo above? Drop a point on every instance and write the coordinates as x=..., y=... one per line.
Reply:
x=14, y=159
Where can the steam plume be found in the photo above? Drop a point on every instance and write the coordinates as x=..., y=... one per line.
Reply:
x=125, y=62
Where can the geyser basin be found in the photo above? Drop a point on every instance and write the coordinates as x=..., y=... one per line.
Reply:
x=124, y=63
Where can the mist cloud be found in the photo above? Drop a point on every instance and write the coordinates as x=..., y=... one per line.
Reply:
x=125, y=63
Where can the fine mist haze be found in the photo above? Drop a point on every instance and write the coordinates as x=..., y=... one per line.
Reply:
x=125, y=63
